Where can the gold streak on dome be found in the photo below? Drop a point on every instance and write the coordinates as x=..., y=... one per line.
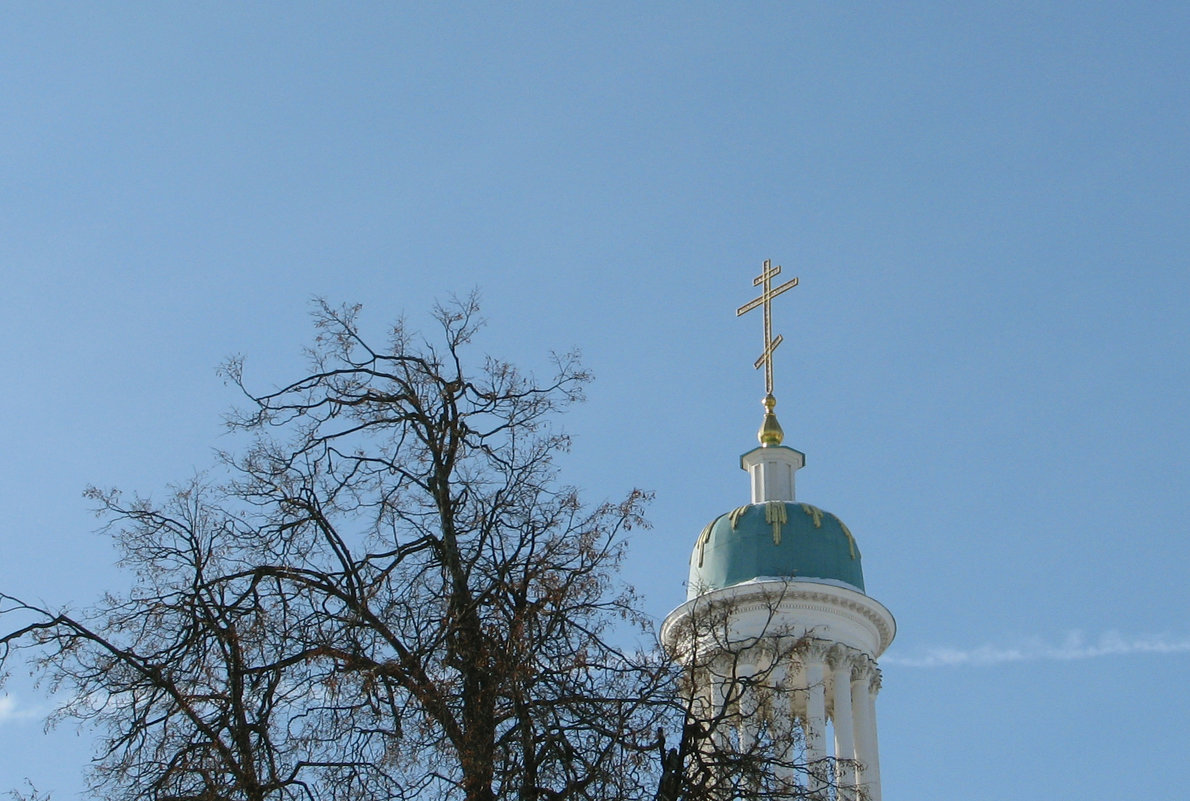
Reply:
x=770, y=431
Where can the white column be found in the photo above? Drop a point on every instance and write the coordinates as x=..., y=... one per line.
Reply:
x=781, y=717
x=746, y=703
x=815, y=721
x=861, y=703
x=708, y=708
x=717, y=719
x=874, y=758
x=841, y=714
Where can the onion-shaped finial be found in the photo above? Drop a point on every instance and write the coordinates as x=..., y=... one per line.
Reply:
x=770, y=430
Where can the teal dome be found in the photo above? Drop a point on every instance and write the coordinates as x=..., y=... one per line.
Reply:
x=774, y=539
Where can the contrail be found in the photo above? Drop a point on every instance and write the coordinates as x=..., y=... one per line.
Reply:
x=1074, y=646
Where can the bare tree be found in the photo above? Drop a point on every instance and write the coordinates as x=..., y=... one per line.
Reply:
x=189, y=675
x=388, y=594
x=391, y=596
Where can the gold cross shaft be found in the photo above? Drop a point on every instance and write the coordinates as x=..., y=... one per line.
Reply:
x=766, y=301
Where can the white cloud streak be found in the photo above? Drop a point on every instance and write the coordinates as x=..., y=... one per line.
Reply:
x=11, y=710
x=1074, y=646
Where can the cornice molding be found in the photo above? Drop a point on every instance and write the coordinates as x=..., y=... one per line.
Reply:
x=776, y=596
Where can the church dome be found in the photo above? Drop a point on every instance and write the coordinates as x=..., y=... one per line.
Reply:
x=774, y=539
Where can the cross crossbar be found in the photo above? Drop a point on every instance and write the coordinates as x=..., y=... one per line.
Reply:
x=765, y=300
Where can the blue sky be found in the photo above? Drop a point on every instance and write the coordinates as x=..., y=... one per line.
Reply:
x=985, y=361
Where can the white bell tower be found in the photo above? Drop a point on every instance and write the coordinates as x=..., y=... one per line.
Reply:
x=778, y=636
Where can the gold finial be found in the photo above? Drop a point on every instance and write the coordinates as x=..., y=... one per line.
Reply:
x=770, y=431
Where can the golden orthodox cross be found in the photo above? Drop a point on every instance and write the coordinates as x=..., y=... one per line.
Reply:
x=766, y=300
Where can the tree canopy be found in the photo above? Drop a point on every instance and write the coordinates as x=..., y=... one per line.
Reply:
x=388, y=593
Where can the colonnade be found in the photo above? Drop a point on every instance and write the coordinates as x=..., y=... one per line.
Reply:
x=819, y=688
